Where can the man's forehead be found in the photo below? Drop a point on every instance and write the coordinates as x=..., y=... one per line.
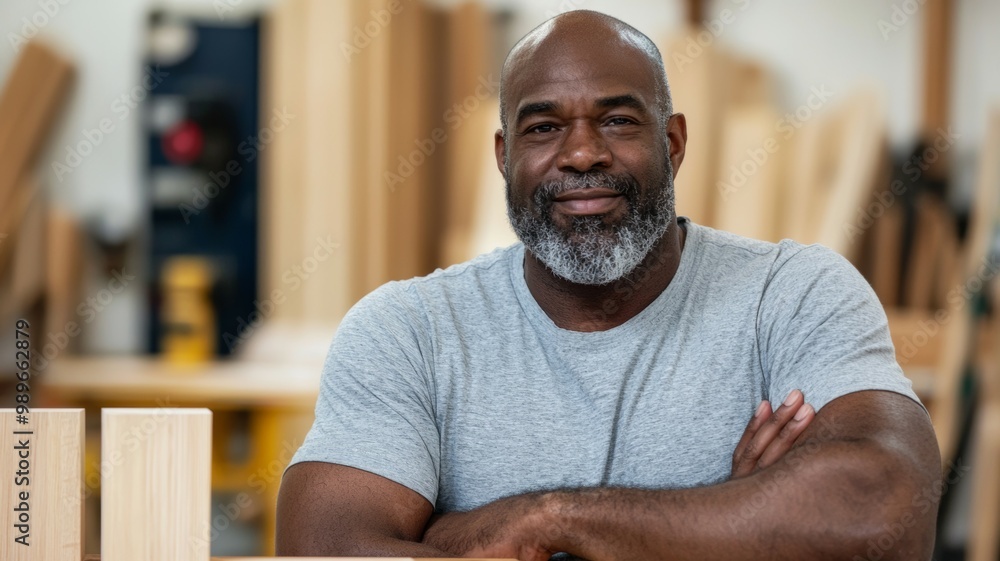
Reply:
x=567, y=78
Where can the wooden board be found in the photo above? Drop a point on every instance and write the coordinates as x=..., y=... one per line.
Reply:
x=28, y=260
x=15, y=99
x=155, y=484
x=938, y=49
x=925, y=253
x=64, y=268
x=466, y=41
x=751, y=169
x=695, y=92
x=54, y=487
x=861, y=149
x=11, y=218
x=47, y=81
x=309, y=186
x=887, y=247
x=986, y=198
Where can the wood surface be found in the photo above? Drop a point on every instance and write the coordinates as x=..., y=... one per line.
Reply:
x=750, y=205
x=469, y=178
x=887, y=249
x=230, y=383
x=925, y=253
x=986, y=197
x=984, y=536
x=55, y=486
x=28, y=277
x=15, y=101
x=694, y=87
x=28, y=107
x=984, y=532
x=11, y=217
x=64, y=269
x=155, y=484
x=308, y=187
x=861, y=151
x=938, y=49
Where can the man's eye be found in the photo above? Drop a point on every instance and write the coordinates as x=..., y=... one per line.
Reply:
x=541, y=128
x=620, y=121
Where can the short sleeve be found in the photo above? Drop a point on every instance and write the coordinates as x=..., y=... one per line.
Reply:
x=822, y=330
x=374, y=411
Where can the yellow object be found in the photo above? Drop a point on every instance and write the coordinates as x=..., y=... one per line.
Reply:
x=188, y=335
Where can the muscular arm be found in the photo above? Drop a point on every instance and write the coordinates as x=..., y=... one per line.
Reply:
x=333, y=510
x=860, y=475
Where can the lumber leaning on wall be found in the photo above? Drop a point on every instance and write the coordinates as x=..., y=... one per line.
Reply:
x=29, y=103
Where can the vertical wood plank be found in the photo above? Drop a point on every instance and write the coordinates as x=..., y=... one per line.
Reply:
x=47, y=82
x=47, y=464
x=939, y=16
x=155, y=484
x=749, y=206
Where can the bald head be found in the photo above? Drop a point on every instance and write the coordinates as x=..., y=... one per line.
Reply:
x=581, y=34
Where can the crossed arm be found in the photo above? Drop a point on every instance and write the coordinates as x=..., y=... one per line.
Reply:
x=857, y=476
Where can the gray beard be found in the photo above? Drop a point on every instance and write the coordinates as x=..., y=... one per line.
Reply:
x=592, y=252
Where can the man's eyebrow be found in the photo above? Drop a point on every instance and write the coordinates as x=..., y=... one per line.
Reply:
x=625, y=100
x=533, y=109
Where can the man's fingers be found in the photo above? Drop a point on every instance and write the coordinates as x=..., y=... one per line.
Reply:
x=787, y=436
x=747, y=456
x=760, y=416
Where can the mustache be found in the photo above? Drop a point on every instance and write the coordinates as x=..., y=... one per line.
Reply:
x=625, y=185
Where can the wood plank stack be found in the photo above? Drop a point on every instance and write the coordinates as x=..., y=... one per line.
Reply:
x=363, y=162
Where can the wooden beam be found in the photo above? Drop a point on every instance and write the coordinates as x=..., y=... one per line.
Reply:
x=939, y=16
x=41, y=482
x=155, y=484
x=695, y=12
x=28, y=106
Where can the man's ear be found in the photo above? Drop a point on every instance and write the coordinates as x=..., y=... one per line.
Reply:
x=677, y=135
x=498, y=147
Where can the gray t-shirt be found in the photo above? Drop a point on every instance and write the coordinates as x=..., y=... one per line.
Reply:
x=460, y=387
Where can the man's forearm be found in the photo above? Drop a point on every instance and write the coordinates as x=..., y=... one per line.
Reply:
x=858, y=484
x=833, y=503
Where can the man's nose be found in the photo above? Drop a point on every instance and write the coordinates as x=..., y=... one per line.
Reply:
x=583, y=149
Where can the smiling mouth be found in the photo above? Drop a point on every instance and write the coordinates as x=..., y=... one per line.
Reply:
x=582, y=202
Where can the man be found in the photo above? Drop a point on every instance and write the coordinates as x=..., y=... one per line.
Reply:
x=587, y=391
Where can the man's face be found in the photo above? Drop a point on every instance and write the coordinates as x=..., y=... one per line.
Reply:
x=586, y=162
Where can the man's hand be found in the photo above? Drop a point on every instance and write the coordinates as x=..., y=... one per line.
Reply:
x=769, y=435
x=507, y=528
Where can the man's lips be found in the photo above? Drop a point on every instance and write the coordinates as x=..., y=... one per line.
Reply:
x=582, y=202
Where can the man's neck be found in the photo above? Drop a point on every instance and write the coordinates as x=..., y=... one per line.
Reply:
x=579, y=307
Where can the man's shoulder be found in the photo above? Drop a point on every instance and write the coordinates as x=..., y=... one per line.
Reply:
x=738, y=251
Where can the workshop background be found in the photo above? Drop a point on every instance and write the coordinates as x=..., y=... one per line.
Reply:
x=192, y=193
